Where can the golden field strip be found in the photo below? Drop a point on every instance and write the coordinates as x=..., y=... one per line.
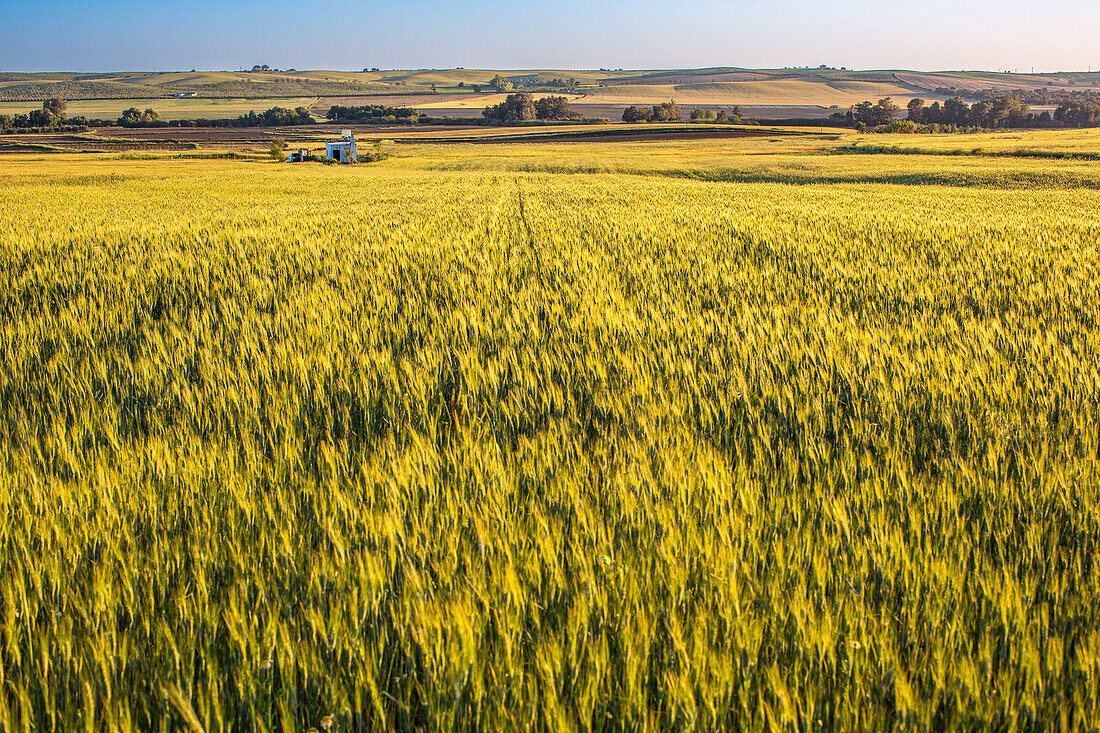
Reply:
x=748, y=434
x=763, y=93
x=719, y=94
x=168, y=109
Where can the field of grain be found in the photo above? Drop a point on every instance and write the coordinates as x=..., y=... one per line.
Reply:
x=789, y=91
x=741, y=434
x=972, y=81
x=782, y=98
x=168, y=109
x=480, y=101
x=1086, y=142
x=774, y=92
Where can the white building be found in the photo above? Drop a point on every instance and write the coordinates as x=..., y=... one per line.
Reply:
x=343, y=151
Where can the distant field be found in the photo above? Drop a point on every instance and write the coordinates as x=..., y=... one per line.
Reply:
x=479, y=101
x=784, y=92
x=1014, y=141
x=778, y=98
x=214, y=85
x=761, y=93
x=169, y=109
x=979, y=81
x=714, y=86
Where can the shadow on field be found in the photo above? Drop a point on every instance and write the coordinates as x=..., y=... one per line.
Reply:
x=956, y=179
x=1002, y=180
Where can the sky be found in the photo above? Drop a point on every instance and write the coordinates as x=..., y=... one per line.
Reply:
x=122, y=35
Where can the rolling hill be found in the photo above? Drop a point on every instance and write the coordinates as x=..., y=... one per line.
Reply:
x=763, y=92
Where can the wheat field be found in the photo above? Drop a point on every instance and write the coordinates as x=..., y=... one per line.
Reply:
x=168, y=109
x=755, y=92
x=737, y=435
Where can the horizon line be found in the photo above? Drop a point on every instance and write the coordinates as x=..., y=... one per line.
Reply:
x=624, y=70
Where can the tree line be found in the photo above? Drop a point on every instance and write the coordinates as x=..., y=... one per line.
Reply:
x=501, y=83
x=274, y=117
x=522, y=107
x=670, y=112
x=1000, y=112
x=1078, y=114
x=731, y=116
x=664, y=112
x=51, y=117
x=372, y=113
x=1044, y=96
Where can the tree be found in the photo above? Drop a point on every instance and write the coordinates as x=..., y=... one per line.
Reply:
x=916, y=110
x=956, y=112
x=862, y=113
x=667, y=112
x=873, y=115
x=477, y=89
x=276, y=151
x=636, y=114
x=280, y=116
x=1078, y=114
x=1006, y=111
x=703, y=115
x=134, y=117
x=515, y=108
x=55, y=107
x=554, y=108
x=366, y=113
x=42, y=118
x=885, y=111
x=501, y=84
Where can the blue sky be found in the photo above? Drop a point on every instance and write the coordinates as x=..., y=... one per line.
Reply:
x=338, y=34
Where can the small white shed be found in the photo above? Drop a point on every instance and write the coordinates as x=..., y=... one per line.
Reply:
x=343, y=151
